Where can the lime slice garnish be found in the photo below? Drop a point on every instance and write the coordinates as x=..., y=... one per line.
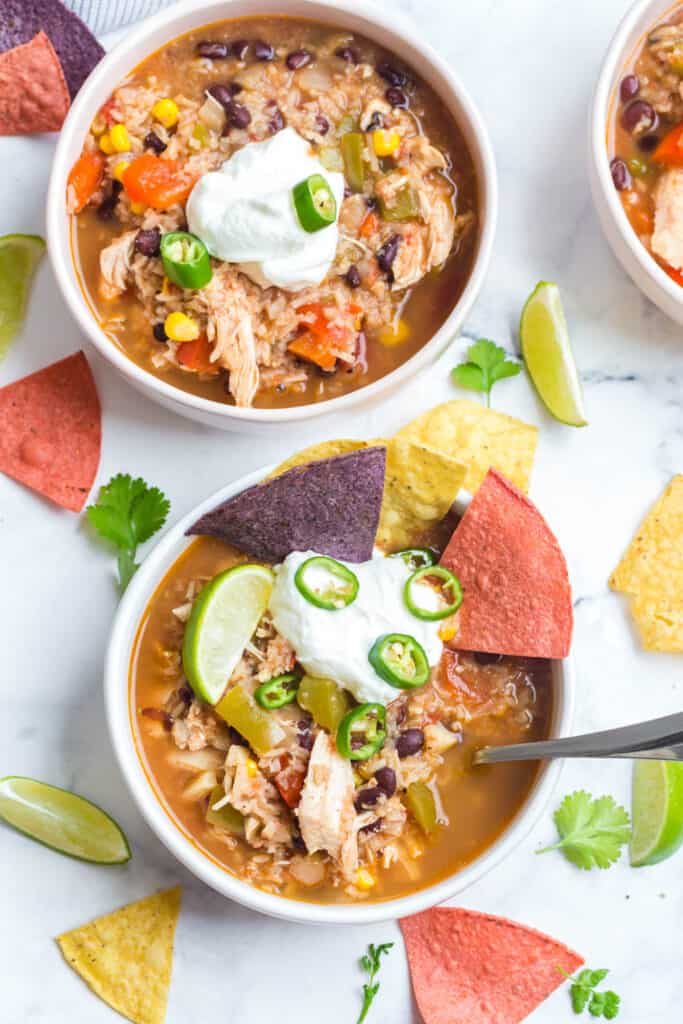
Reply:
x=19, y=257
x=548, y=355
x=657, y=811
x=61, y=820
x=222, y=623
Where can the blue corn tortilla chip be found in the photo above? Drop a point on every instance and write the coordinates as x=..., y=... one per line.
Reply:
x=76, y=46
x=331, y=507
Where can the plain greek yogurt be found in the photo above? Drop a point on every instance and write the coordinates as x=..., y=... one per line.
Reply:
x=335, y=644
x=244, y=213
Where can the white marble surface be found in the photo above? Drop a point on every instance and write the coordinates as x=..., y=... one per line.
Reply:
x=531, y=66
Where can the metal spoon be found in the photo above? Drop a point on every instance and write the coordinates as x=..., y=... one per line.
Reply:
x=660, y=739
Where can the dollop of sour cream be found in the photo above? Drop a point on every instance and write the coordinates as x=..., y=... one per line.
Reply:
x=335, y=644
x=244, y=213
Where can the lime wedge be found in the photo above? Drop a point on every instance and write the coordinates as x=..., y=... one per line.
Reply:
x=222, y=623
x=19, y=257
x=61, y=820
x=548, y=355
x=656, y=810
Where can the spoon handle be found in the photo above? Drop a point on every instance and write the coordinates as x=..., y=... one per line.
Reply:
x=659, y=739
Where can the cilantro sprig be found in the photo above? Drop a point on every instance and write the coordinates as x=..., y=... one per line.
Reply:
x=486, y=363
x=370, y=962
x=583, y=995
x=127, y=513
x=592, y=830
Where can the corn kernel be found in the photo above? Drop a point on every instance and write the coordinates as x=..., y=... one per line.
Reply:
x=137, y=208
x=447, y=633
x=385, y=142
x=120, y=168
x=166, y=111
x=252, y=768
x=394, y=333
x=120, y=139
x=364, y=880
x=99, y=125
x=180, y=327
x=106, y=144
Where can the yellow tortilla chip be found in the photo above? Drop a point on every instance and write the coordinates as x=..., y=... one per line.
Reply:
x=317, y=452
x=654, y=558
x=479, y=438
x=420, y=486
x=126, y=957
x=659, y=622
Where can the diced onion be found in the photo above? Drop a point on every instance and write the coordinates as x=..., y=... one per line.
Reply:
x=211, y=113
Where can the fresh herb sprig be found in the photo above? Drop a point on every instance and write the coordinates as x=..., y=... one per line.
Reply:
x=127, y=513
x=592, y=830
x=370, y=962
x=486, y=363
x=583, y=994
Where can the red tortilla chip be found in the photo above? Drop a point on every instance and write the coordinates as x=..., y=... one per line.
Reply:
x=516, y=593
x=34, y=96
x=51, y=431
x=471, y=968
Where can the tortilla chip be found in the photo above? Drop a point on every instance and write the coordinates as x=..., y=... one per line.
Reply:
x=77, y=49
x=655, y=554
x=516, y=592
x=126, y=957
x=659, y=622
x=420, y=487
x=33, y=92
x=317, y=452
x=471, y=968
x=478, y=437
x=331, y=507
x=51, y=431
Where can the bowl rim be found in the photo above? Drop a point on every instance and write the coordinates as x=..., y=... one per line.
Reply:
x=117, y=703
x=377, y=24
x=618, y=52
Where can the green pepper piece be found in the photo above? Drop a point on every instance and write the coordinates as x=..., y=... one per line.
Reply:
x=314, y=203
x=400, y=660
x=326, y=583
x=362, y=732
x=278, y=691
x=449, y=581
x=417, y=558
x=226, y=817
x=405, y=205
x=420, y=801
x=186, y=260
x=323, y=699
x=352, y=145
x=239, y=709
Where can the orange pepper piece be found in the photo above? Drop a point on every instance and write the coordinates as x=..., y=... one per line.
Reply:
x=313, y=348
x=195, y=355
x=369, y=225
x=84, y=180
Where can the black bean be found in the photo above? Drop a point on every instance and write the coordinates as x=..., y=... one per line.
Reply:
x=639, y=117
x=647, y=143
x=148, y=242
x=367, y=798
x=304, y=734
x=322, y=125
x=391, y=74
x=238, y=115
x=298, y=843
x=486, y=658
x=396, y=97
x=298, y=59
x=376, y=121
x=105, y=211
x=239, y=48
x=277, y=121
x=621, y=176
x=185, y=694
x=223, y=92
x=153, y=142
x=348, y=54
x=630, y=86
x=348, y=191
x=263, y=51
x=410, y=742
x=371, y=202
x=374, y=826
x=212, y=50
x=352, y=276
x=386, y=780
x=387, y=253
x=159, y=331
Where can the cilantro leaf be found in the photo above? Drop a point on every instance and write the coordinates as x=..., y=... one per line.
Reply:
x=127, y=513
x=592, y=830
x=583, y=994
x=370, y=962
x=486, y=363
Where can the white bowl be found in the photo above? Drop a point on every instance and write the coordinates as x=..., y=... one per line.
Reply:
x=627, y=247
x=120, y=718
x=384, y=28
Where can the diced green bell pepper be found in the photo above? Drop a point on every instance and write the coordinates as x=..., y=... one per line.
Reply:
x=323, y=699
x=352, y=145
x=406, y=205
x=259, y=728
x=420, y=801
x=226, y=817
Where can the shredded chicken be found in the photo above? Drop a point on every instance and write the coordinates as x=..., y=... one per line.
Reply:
x=667, y=238
x=230, y=331
x=266, y=821
x=199, y=728
x=115, y=263
x=327, y=817
x=441, y=230
x=422, y=155
x=373, y=113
